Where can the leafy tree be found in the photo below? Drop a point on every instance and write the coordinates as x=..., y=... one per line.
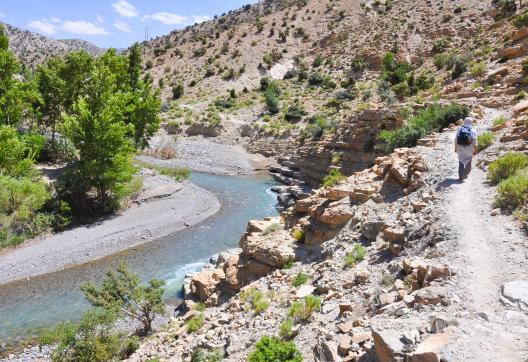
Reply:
x=13, y=154
x=144, y=109
x=122, y=293
x=98, y=130
x=78, y=66
x=18, y=102
x=4, y=40
x=134, y=64
x=52, y=89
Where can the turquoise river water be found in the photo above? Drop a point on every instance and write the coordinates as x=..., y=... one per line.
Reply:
x=47, y=300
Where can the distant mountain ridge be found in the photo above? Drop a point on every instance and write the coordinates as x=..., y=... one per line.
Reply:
x=33, y=49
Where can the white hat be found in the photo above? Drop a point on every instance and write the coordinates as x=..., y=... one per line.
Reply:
x=468, y=121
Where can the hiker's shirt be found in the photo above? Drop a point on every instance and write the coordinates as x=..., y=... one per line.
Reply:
x=465, y=153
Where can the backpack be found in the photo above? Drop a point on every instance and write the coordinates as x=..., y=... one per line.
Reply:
x=464, y=137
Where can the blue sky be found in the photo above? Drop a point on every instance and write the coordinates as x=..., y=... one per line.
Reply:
x=110, y=23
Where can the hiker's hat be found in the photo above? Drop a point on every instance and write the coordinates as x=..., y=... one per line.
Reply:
x=468, y=121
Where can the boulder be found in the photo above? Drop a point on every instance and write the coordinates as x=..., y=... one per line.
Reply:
x=520, y=107
x=337, y=214
x=516, y=292
x=204, y=284
x=428, y=350
x=240, y=271
x=431, y=295
x=274, y=249
x=394, y=234
x=344, y=346
x=388, y=345
x=326, y=351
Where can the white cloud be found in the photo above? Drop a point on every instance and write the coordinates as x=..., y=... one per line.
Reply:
x=167, y=18
x=121, y=25
x=99, y=18
x=56, y=20
x=81, y=27
x=44, y=26
x=125, y=9
x=200, y=18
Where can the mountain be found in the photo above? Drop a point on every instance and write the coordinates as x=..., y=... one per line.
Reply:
x=32, y=49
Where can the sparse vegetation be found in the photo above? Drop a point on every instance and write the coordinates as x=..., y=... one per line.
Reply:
x=300, y=279
x=356, y=256
x=433, y=118
x=334, y=176
x=270, y=349
x=507, y=166
x=484, y=140
x=255, y=300
x=195, y=323
x=302, y=311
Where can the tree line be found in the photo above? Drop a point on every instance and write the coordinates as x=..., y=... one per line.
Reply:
x=92, y=114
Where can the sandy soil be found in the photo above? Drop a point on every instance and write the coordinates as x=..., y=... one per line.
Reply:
x=164, y=206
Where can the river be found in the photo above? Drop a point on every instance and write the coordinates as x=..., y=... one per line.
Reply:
x=49, y=299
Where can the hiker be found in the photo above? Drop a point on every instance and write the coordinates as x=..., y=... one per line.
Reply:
x=465, y=147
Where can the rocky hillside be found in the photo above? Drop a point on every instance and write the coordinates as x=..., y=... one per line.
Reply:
x=32, y=48
x=393, y=259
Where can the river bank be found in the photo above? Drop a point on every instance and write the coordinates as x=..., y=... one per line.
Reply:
x=163, y=207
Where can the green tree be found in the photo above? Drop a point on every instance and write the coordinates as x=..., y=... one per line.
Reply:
x=52, y=89
x=144, y=109
x=121, y=291
x=4, y=40
x=134, y=65
x=76, y=71
x=98, y=130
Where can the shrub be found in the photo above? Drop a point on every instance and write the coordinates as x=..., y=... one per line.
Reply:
x=272, y=228
x=202, y=355
x=433, y=118
x=459, y=68
x=506, y=8
x=302, y=311
x=520, y=96
x=318, y=61
x=271, y=95
x=316, y=128
x=358, y=64
x=295, y=113
x=177, y=91
x=357, y=255
x=485, y=140
x=506, y=166
x=255, y=299
x=300, y=279
x=513, y=191
x=334, y=176
x=200, y=52
x=298, y=235
x=270, y=349
x=521, y=20
x=285, y=329
x=195, y=323
x=478, y=69
x=142, y=303
x=288, y=265
x=440, y=45
x=499, y=121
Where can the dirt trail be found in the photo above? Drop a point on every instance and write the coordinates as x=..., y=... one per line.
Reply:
x=488, y=251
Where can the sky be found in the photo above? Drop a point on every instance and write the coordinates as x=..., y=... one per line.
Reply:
x=110, y=23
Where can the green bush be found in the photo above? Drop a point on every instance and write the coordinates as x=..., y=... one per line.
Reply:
x=478, y=69
x=300, y=279
x=506, y=8
x=513, y=191
x=440, y=45
x=271, y=95
x=355, y=256
x=316, y=128
x=334, y=176
x=521, y=20
x=255, y=300
x=270, y=349
x=195, y=323
x=485, y=140
x=358, y=64
x=499, y=121
x=285, y=329
x=202, y=355
x=295, y=113
x=302, y=311
x=433, y=118
x=459, y=68
x=507, y=166
x=177, y=91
